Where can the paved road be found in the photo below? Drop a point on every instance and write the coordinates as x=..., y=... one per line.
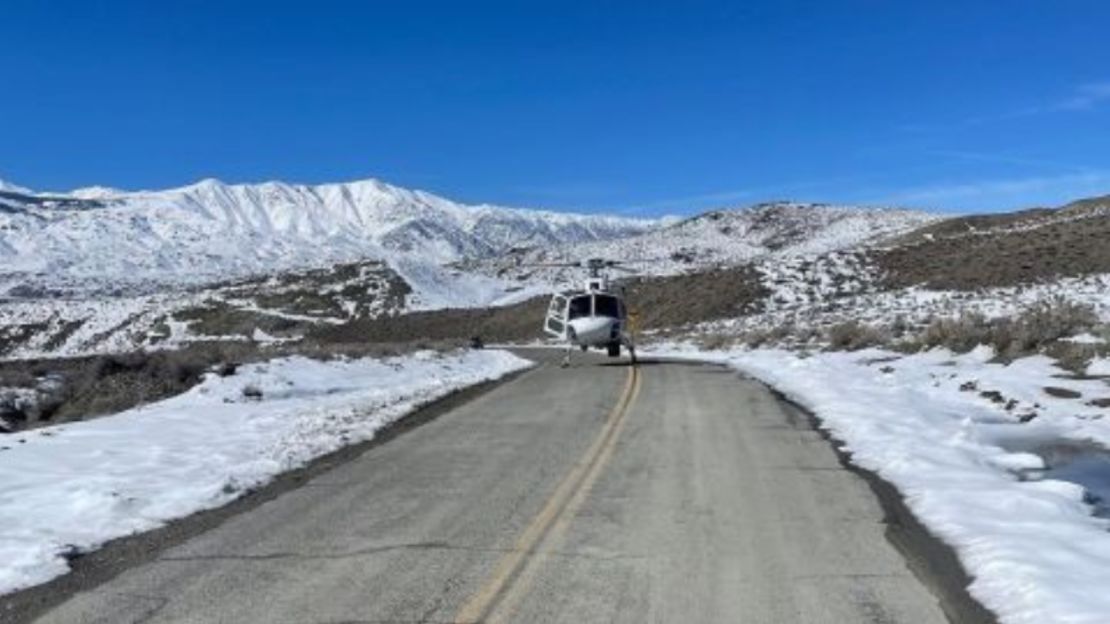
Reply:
x=665, y=493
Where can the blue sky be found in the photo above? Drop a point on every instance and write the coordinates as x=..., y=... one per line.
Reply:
x=639, y=107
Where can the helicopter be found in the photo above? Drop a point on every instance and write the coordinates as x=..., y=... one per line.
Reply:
x=595, y=317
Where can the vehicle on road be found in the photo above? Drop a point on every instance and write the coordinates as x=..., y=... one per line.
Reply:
x=594, y=317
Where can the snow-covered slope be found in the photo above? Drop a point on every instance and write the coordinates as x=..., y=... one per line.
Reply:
x=12, y=188
x=730, y=237
x=101, y=237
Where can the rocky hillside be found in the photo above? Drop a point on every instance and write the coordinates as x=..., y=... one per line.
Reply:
x=722, y=238
x=994, y=265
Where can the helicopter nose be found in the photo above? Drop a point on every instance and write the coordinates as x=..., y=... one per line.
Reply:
x=591, y=331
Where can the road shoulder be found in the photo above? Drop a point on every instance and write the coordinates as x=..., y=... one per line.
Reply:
x=93, y=569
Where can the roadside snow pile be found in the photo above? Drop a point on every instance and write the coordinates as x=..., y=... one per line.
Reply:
x=954, y=433
x=70, y=488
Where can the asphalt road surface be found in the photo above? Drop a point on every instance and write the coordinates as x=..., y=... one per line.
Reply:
x=666, y=492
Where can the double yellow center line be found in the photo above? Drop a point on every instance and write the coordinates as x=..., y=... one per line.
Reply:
x=497, y=598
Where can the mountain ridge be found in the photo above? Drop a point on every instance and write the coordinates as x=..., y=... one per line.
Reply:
x=211, y=230
x=728, y=237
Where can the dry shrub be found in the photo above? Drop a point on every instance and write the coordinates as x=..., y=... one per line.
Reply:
x=14, y=409
x=900, y=326
x=853, y=335
x=1041, y=325
x=322, y=350
x=1033, y=330
x=960, y=334
x=112, y=383
x=715, y=341
x=1075, y=357
x=783, y=334
x=757, y=338
x=17, y=377
x=96, y=385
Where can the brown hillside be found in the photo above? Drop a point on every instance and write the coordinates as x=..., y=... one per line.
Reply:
x=982, y=251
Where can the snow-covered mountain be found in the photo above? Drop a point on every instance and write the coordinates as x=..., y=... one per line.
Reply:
x=727, y=237
x=8, y=187
x=209, y=231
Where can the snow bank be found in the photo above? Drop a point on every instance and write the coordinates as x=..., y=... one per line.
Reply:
x=76, y=486
x=1099, y=366
x=922, y=423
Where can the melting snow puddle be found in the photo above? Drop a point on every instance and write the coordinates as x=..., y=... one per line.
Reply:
x=1084, y=464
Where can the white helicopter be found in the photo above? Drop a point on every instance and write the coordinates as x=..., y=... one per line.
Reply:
x=594, y=317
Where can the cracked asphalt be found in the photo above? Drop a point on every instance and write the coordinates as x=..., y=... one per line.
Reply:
x=681, y=493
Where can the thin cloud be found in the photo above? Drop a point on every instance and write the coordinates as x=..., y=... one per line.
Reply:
x=1086, y=97
x=1000, y=194
x=790, y=190
x=689, y=201
x=1008, y=159
x=576, y=191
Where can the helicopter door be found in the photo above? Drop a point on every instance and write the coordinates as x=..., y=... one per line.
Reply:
x=556, y=322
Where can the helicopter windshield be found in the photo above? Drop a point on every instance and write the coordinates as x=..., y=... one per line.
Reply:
x=606, y=305
x=579, y=307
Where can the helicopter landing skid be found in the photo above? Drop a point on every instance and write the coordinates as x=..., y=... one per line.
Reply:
x=633, y=360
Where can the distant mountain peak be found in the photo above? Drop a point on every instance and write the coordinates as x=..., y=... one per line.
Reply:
x=96, y=192
x=13, y=188
x=209, y=231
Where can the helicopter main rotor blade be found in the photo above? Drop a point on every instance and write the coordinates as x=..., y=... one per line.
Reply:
x=640, y=261
x=623, y=269
x=550, y=264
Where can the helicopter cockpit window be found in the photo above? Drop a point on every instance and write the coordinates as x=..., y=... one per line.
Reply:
x=606, y=305
x=579, y=307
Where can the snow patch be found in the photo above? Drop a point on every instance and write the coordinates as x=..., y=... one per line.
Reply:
x=1085, y=338
x=70, y=488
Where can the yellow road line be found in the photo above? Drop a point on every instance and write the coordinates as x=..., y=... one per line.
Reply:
x=512, y=576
